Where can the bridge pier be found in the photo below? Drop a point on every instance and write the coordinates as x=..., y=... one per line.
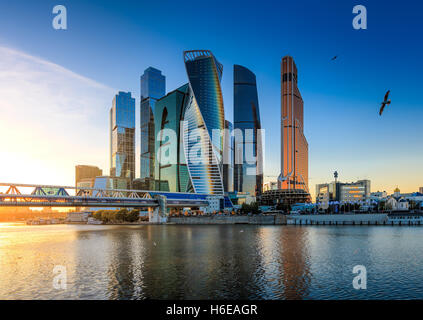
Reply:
x=159, y=214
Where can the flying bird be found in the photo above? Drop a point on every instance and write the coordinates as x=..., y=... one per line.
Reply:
x=385, y=102
x=334, y=58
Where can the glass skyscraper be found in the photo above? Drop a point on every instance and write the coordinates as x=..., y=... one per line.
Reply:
x=122, y=137
x=204, y=113
x=294, y=146
x=153, y=87
x=248, y=167
x=171, y=172
x=153, y=84
x=228, y=158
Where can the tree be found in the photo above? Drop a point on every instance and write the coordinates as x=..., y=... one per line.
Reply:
x=252, y=208
x=133, y=215
x=97, y=214
x=413, y=205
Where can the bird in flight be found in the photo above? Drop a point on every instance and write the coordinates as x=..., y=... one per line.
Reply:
x=385, y=102
x=334, y=58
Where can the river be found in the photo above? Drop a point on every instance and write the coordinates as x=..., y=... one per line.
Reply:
x=209, y=262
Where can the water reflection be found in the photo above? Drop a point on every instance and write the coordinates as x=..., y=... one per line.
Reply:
x=210, y=262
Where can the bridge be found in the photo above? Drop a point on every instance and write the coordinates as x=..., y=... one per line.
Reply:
x=69, y=196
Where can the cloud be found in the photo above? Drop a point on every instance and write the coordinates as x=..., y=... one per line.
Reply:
x=51, y=119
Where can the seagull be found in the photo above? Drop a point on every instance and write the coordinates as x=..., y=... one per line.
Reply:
x=334, y=58
x=242, y=231
x=385, y=102
x=154, y=244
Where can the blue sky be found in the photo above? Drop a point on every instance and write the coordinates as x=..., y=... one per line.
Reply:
x=112, y=42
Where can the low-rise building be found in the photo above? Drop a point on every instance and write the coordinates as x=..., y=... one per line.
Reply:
x=378, y=195
x=283, y=197
x=270, y=185
x=358, y=191
x=85, y=175
x=77, y=217
x=239, y=198
x=397, y=204
x=355, y=191
x=106, y=182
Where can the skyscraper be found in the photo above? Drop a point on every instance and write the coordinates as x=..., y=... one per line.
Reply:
x=248, y=175
x=153, y=87
x=204, y=114
x=153, y=84
x=228, y=158
x=171, y=172
x=122, y=137
x=294, y=146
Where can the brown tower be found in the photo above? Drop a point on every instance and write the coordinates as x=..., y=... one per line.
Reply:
x=294, y=146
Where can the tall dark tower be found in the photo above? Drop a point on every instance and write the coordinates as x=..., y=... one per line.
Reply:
x=248, y=176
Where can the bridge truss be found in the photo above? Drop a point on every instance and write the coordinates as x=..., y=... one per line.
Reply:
x=62, y=196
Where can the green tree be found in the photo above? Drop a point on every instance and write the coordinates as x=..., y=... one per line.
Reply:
x=252, y=208
x=97, y=214
x=133, y=215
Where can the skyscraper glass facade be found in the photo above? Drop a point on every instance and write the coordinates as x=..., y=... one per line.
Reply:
x=171, y=172
x=203, y=114
x=153, y=84
x=248, y=168
x=294, y=148
x=228, y=158
x=122, y=137
x=153, y=87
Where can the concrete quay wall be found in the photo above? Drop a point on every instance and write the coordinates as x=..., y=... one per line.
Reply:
x=338, y=219
x=217, y=219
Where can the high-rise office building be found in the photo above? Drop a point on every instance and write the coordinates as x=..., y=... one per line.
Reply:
x=204, y=114
x=228, y=158
x=171, y=172
x=122, y=137
x=153, y=84
x=153, y=87
x=248, y=174
x=294, y=146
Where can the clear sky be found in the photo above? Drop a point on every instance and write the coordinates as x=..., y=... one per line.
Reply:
x=56, y=86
